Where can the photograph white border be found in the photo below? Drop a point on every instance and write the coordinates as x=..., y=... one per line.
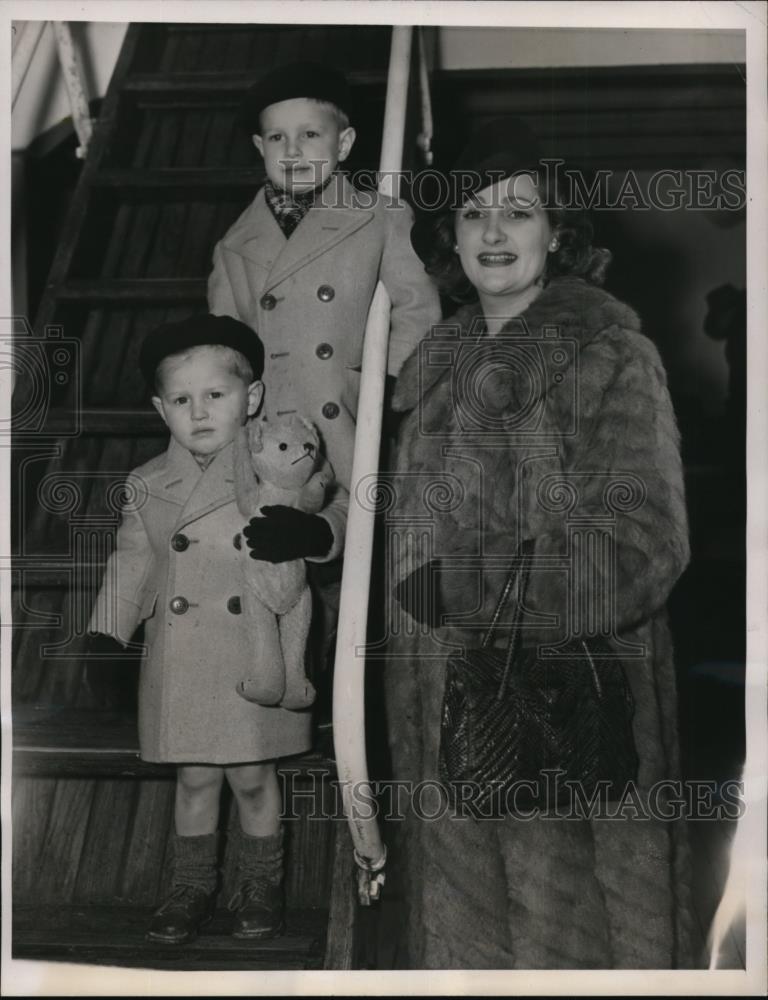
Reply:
x=23, y=978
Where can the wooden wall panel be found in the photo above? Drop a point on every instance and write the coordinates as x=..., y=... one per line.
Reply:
x=610, y=117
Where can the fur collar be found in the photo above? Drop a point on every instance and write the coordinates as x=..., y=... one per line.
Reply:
x=578, y=310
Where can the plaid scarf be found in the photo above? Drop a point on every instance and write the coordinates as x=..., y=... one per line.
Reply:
x=290, y=209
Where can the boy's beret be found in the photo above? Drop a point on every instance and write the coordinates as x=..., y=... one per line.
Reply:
x=200, y=330
x=301, y=79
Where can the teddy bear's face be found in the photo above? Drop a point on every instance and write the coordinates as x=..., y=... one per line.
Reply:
x=284, y=453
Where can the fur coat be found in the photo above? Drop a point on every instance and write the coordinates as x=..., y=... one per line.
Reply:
x=559, y=429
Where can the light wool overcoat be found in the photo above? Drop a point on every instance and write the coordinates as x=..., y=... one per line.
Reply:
x=308, y=299
x=559, y=430
x=177, y=568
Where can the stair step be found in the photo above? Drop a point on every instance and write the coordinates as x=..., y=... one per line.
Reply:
x=71, y=741
x=214, y=178
x=114, y=935
x=213, y=83
x=133, y=290
x=129, y=422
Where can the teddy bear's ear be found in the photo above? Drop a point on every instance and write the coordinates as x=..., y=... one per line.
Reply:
x=255, y=434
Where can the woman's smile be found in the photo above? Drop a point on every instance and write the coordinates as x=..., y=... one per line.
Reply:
x=497, y=259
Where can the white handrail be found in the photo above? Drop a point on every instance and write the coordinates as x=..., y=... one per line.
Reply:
x=72, y=80
x=349, y=670
x=424, y=138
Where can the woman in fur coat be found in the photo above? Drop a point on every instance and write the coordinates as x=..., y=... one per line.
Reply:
x=538, y=413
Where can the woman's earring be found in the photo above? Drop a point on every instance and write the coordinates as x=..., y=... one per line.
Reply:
x=455, y=247
x=554, y=245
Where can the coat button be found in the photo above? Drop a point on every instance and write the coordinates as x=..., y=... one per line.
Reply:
x=233, y=605
x=179, y=605
x=179, y=542
x=325, y=293
x=323, y=351
x=237, y=541
x=330, y=411
x=268, y=302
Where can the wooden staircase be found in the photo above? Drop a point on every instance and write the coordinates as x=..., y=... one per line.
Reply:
x=168, y=171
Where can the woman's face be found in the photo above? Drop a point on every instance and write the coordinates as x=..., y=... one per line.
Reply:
x=503, y=236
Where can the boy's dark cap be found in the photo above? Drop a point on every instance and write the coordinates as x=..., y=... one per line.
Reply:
x=200, y=330
x=312, y=80
x=497, y=149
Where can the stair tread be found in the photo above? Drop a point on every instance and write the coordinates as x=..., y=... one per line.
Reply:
x=126, y=289
x=114, y=934
x=221, y=81
x=133, y=177
x=128, y=420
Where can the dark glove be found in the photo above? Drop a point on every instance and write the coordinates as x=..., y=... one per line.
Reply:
x=391, y=419
x=420, y=593
x=285, y=533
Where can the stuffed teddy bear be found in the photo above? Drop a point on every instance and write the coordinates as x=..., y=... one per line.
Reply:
x=278, y=463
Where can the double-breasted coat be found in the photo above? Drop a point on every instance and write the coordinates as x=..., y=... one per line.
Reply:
x=308, y=299
x=560, y=429
x=176, y=567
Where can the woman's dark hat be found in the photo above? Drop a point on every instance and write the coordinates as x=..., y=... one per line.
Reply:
x=500, y=148
x=201, y=330
x=315, y=81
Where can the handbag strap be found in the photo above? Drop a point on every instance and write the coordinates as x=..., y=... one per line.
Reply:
x=522, y=559
x=514, y=639
x=519, y=572
x=509, y=583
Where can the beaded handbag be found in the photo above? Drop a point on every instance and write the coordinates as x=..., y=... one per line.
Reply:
x=521, y=730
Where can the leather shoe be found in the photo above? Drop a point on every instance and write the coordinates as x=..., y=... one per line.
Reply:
x=259, y=909
x=178, y=919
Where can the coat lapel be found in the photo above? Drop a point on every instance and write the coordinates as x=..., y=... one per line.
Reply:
x=194, y=490
x=179, y=477
x=259, y=240
x=214, y=488
x=323, y=227
x=257, y=237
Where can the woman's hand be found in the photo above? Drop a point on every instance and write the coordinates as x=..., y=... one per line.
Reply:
x=285, y=533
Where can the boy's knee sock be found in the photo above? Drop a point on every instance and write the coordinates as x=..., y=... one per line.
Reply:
x=195, y=861
x=261, y=856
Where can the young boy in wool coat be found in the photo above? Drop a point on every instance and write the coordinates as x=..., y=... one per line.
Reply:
x=176, y=568
x=301, y=264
